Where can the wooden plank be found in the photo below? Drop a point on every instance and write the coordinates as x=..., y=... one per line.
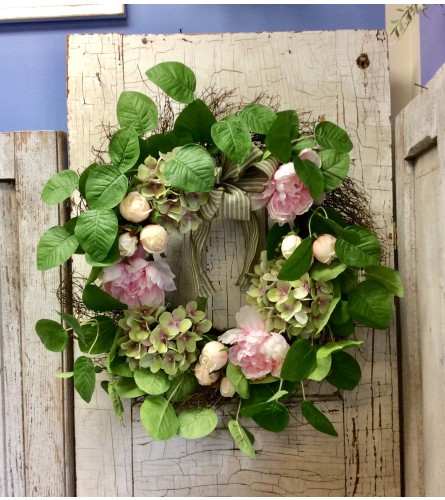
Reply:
x=95, y=79
x=12, y=465
x=43, y=395
x=6, y=156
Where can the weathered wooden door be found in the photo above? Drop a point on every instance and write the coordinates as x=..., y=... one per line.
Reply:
x=420, y=174
x=342, y=76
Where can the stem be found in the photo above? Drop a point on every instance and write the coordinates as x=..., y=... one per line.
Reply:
x=315, y=212
x=237, y=411
x=302, y=390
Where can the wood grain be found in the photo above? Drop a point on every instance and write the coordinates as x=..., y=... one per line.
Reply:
x=317, y=74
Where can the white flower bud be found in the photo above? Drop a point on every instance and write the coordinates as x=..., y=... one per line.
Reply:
x=324, y=248
x=134, y=207
x=227, y=389
x=203, y=375
x=289, y=244
x=154, y=238
x=213, y=356
x=311, y=155
x=127, y=245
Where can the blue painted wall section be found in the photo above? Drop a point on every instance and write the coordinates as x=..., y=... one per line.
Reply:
x=432, y=41
x=32, y=55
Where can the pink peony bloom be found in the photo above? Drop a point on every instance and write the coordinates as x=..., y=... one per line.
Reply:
x=256, y=351
x=285, y=195
x=138, y=282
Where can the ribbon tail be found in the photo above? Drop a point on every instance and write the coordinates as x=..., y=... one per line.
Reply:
x=201, y=282
x=251, y=229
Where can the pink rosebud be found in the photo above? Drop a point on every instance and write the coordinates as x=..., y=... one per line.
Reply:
x=311, y=155
x=227, y=389
x=203, y=375
x=154, y=238
x=289, y=245
x=134, y=207
x=213, y=356
x=324, y=248
x=127, y=245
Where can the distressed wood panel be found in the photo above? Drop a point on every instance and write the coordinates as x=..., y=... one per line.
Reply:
x=6, y=156
x=420, y=165
x=317, y=74
x=36, y=411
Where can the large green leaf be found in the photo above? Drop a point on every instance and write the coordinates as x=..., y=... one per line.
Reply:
x=191, y=170
x=151, y=383
x=159, y=418
x=345, y=371
x=330, y=136
x=322, y=369
x=138, y=111
x=334, y=168
x=327, y=272
x=52, y=335
x=273, y=239
x=388, y=277
x=55, y=247
x=257, y=118
x=115, y=400
x=298, y=263
x=232, y=138
x=98, y=335
x=96, y=231
x=106, y=187
x=332, y=305
x=281, y=134
x=300, y=361
x=74, y=324
x=239, y=381
x=175, y=79
x=197, y=423
x=331, y=347
x=260, y=394
x=274, y=418
x=112, y=257
x=317, y=418
x=370, y=304
x=182, y=387
x=126, y=388
x=241, y=438
x=124, y=149
x=196, y=121
x=60, y=186
x=96, y=299
x=84, y=177
x=164, y=143
x=84, y=377
x=310, y=175
x=362, y=254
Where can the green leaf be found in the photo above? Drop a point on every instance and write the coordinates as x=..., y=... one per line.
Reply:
x=331, y=136
x=84, y=378
x=73, y=323
x=281, y=134
x=239, y=381
x=232, y=138
x=115, y=400
x=175, y=79
x=332, y=305
x=159, y=418
x=277, y=396
x=52, y=335
x=300, y=361
x=322, y=369
x=303, y=143
x=348, y=280
x=298, y=263
x=258, y=400
x=241, y=438
x=124, y=149
x=274, y=418
x=196, y=121
x=182, y=387
x=344, y=329
x=362, y=254
x=197, y=423
x=257, y=118
x=327, y=272
x=151, y=383
x=371, y=305
x=106, y=187
x=96, y=299
x=84, y=177
x=349, y=234
x=191, y=170
x=96, y=231
x=55, y=247
x=388, y=277
x=94, y=274
x=310, y=175
x=138, y=111
x=334, y=168
x=345, y=371
x=63, y=374
x=163, y=143
x=327, y=349
x=98, y=335
x=60, y=186
x=126, y=388
x=273, y=239
x=340, y=314
x=317, y=418
x=118, y=365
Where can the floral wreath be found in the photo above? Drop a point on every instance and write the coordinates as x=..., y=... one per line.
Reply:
x=318, y=276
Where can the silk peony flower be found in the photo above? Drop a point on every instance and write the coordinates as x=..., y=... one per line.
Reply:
x=134, y=207
x=213, y=356
x=203, y=375
x=324, y=248
x=256, y=351
x=289, y=245
x=285, y=195
x=138, y=282
x=153, y=238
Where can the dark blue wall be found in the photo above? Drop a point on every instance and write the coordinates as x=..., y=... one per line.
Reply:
x=432, y=41
x=32, y=55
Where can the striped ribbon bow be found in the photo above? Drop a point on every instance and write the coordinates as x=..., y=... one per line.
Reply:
x=229, y=200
